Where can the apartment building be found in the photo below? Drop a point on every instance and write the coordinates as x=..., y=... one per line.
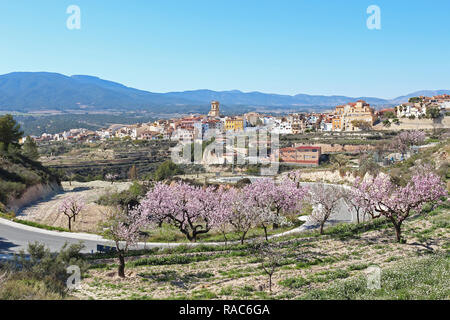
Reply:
x=411, y=110
x=234, y=124
x=305, y=155
x=347, y=115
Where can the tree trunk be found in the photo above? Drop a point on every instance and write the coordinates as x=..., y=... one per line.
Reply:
x=243, y=237
x=265, y=233
x=121, y=269
x=225, y=238
x=270, y=283
x=70, y=224
x=321, y=228
x=398, y=232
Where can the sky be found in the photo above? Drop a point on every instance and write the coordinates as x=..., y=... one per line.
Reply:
x=273, y=46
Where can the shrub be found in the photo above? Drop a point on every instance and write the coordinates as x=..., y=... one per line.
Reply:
x=16, y=288
x=42, y=272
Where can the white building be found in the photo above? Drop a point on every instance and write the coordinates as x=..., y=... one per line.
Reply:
x=282, y=127
x=326, y=126
x=411, y=109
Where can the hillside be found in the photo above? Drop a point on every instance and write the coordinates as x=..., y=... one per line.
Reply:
x=332, y=266
x=18, y=174
x=43, y=91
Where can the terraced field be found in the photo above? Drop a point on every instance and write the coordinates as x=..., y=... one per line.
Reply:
x=311, y=266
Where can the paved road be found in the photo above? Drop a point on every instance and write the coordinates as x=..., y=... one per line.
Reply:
x=14, y=237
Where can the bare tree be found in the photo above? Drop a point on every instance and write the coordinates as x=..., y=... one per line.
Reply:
x=71, y=207
x=270, y=257
x=71, y=176
x=325, y=200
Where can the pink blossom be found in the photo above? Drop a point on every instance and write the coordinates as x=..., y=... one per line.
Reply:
x=383, y=198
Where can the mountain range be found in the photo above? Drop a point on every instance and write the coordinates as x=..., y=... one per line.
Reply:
x=38, y=91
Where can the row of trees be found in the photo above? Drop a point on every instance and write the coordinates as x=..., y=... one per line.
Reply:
x=197, y=210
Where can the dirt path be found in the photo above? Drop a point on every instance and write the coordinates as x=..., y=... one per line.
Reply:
x=46, y=212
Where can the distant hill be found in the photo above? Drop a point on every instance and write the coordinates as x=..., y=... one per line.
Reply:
x=38, y=91
x=425, y=93
x=237, y=97
x=44, y=91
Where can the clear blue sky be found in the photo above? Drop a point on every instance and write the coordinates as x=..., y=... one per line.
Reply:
x=274, y=46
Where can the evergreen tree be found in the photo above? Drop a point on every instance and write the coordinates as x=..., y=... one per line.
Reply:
x=30, y=149
x=166, y=170
x=10, y=132
x=133, y=173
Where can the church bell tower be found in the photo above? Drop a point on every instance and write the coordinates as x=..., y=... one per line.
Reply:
x=215, y=109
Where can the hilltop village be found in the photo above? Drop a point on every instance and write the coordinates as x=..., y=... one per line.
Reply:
x=354, y=116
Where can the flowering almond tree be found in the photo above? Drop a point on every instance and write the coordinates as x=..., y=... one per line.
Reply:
x=184, y=206
x=71, y=207
x=381, y=197
x=123, y=228
x=325, y=200
x=272, y=202
x=236, y=211
x=295, y=176
x=220, y=218
x=407, y=139
x=111, y=177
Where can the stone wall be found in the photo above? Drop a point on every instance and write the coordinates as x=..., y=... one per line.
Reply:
x=416, y=124
x=327, y=176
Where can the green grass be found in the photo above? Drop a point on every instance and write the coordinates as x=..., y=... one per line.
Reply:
x=31, y=223
x=169, y=233
x=318, y=277
x=183, y=259
x=170, y=275
x=358, y=266
x=181, y=249
x=294, y=283
x=425, y=278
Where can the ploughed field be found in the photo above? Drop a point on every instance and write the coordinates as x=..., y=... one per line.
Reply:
x=46, y=212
